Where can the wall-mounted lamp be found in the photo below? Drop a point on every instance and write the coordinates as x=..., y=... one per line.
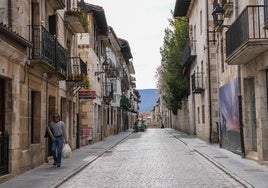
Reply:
x=105, y=66
x=218, y=15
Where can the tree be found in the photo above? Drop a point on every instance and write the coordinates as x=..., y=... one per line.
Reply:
x=171, y=81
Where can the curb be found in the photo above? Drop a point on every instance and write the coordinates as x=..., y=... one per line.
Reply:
x=217, y=164
x=224, y=169
x=214, y=162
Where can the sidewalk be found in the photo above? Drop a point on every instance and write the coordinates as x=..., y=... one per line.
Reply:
x=245, y=171
x=46, y=175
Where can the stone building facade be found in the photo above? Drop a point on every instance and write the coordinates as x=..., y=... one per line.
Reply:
x=40, y=75
x=232, y=51
x=43, y=71
x=200, y=66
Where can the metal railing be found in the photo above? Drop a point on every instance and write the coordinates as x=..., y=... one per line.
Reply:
x=47, y=49
x=108, y=92
x=189, y=53
x=266, y=11
x=249, y=25
x=76, y=69
x=4, y=151
x=125, y=79
x=197, y=82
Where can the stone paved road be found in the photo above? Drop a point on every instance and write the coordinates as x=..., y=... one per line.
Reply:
x=154, y=159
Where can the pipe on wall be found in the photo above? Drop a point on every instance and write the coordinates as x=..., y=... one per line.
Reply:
x=9, y=14
x=209, y=79
x=241, y=127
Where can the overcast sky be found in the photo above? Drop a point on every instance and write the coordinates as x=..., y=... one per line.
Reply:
x=142, y=24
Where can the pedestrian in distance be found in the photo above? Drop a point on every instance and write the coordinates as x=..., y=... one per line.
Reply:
x=58, y=129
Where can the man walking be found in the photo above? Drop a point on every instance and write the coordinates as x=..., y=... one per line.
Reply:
x=58, y=129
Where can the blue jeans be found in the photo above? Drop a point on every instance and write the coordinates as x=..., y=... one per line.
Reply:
x=56, y=149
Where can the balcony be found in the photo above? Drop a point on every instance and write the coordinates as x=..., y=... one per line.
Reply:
x=266, y=13
x=246, y=38
x=57, y=4
x=125, y=81
x=76, y=69
x=181, y=7
x=77, y=19
x=197, y=83
x=111, y=71
x=188, y=54
x=124, y=102
x=47, y=51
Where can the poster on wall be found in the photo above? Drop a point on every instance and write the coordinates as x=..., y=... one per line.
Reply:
x=229, y=116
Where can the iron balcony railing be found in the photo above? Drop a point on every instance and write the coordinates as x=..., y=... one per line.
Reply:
x=124, y=102
x=266, y=12
x=111, y=71
x=125, y=80
x=108, y=92
x=248, y=26
x=189, y=53
x=48, y=50
x=197, y=83
x=4, y=151
x=76, y=69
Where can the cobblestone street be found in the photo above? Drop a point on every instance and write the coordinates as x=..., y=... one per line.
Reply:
x=153, y=158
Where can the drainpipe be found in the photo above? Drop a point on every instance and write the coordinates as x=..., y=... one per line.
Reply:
x=9, y=14
x=240, y=95
x=78, y=126
x=209, y=79
x=47, y=114
x=218, y=91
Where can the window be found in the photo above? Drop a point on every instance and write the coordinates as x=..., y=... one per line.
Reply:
x=52, y=24
x=198, y=115
x=35, y=117
x=222, y=59
x=203, y=113
x=202, y=74
x=108, y=116
x=112, y=115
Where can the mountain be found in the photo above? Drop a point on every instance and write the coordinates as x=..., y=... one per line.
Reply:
x=149, y=98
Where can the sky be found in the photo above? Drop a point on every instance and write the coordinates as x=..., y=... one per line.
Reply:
x=142, y=24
